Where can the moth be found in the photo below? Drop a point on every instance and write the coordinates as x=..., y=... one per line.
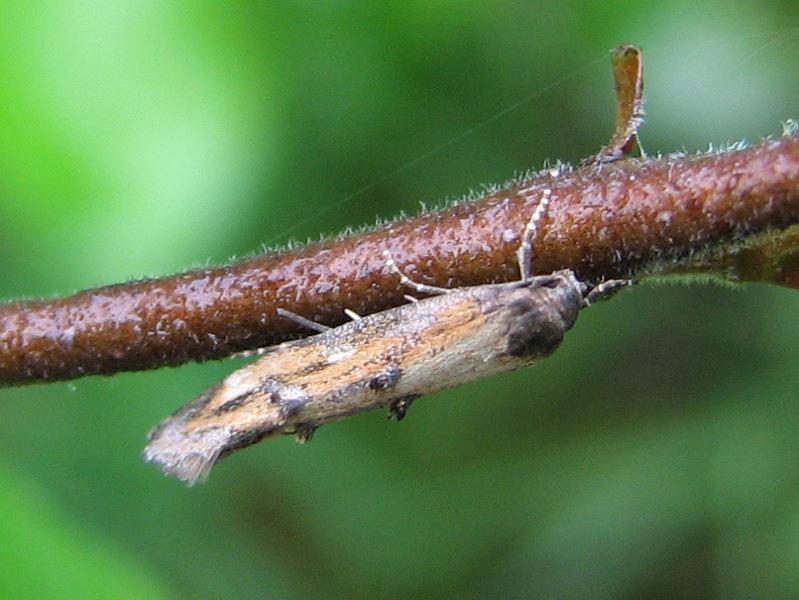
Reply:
x=385, y=359
x=393, y=357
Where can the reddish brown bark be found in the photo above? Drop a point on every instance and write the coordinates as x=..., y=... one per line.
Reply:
x=611, y=220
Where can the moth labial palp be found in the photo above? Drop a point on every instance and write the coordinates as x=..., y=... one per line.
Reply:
x=385, y=359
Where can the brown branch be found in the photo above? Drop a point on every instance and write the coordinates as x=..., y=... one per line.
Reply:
x=724, y=213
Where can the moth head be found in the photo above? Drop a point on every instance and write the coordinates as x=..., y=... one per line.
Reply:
x=543, y=309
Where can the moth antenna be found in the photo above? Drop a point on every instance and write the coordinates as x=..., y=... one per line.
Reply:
x=287, y=314
x=526, y=249
x=422, y=288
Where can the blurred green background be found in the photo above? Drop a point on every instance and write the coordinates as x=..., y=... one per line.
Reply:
x=656, y=454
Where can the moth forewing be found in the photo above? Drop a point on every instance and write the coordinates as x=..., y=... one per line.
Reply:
x=388, y=358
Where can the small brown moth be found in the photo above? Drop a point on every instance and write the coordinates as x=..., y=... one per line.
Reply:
x=385, y=359
x=395, y=356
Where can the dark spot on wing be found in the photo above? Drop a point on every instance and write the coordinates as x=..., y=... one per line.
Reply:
x=193, y=408
x=310, y=368
x=232, y=404
x=388, y=378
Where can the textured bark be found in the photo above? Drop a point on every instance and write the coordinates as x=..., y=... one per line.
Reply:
x=727, y=213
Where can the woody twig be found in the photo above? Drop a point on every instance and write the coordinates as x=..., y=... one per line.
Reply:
x=731, y=213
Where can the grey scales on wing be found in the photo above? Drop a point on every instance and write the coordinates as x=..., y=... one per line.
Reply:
x=388, y=358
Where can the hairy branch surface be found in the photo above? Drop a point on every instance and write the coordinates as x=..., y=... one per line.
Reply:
x=730, y=213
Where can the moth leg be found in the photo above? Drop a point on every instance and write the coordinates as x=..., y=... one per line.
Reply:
x=398, y=407
x=410, y=298
x=422, y=288
x=287, y=314
x=304, y=433
x=352, y=314
x=605, y=290
x=526, y=249
x=251, y=353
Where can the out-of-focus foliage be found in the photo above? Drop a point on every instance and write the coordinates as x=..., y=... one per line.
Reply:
x=657, y=453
